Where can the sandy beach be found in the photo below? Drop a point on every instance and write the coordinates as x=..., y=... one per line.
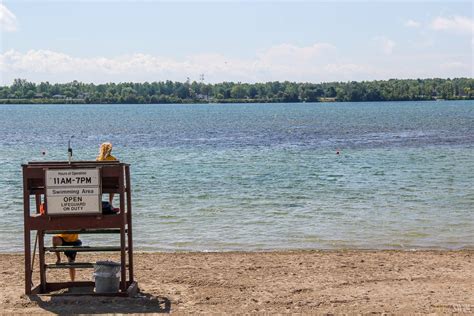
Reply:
x=302, y=281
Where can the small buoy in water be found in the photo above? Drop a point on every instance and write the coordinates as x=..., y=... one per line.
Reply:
x=337, y=152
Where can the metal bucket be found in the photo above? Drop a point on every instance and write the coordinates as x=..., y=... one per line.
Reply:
x=106, y=276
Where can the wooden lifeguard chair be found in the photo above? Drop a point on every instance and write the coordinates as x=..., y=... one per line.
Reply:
x=70, y=193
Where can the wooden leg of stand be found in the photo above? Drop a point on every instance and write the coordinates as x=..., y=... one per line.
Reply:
x=28, y=281
x=42, y=268
x=123, y=284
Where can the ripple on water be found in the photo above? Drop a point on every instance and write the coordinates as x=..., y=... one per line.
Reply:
x=260, y=177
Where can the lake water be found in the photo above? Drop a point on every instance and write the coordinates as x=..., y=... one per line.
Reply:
x=265, y=176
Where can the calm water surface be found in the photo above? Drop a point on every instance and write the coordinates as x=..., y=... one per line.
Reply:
x=265, y=176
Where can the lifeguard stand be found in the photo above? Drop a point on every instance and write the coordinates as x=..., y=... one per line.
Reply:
x=71, y=196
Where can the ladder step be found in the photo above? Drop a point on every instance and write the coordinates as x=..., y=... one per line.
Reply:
x=82, y=248
x=69, y=265
x=84, y=231
x=78, y=265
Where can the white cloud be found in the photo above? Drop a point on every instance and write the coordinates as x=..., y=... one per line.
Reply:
x=412, y=23
x=453, y=65
x=8, y=21
x=279, y=62
x=347, y=68
x=349, y=71
x=288, y=52
x=386, y=44
x=312, y=63
x=459, y=24
x=299, y=63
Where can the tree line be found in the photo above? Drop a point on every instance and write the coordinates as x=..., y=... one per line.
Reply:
x=23, y=91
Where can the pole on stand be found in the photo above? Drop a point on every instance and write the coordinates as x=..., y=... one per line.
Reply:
x=69, y=150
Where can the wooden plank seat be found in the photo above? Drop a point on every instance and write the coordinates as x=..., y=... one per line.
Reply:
x=82, y=248
x=84, y=231
x=69, y=265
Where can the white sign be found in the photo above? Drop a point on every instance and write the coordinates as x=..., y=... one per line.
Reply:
x=73, y=191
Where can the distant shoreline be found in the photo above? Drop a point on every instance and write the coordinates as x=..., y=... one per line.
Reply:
x=469, y=249
x=169, y=92
x=283, y=251
x=75, y=101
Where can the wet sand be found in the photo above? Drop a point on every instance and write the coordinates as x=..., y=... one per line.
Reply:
x=268, y=282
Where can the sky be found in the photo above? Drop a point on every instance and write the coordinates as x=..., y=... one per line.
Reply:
x=241, y=41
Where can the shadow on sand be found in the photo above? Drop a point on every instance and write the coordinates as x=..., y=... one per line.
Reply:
x=71, y=304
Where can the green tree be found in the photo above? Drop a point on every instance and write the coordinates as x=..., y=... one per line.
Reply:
x=238, y=92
